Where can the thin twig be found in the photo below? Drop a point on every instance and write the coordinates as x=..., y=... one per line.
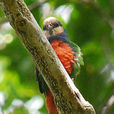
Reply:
x=109, y=105
x=99, y=10
x=36, y=5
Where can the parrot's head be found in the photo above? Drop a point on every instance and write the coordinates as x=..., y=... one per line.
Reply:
x=52, y=27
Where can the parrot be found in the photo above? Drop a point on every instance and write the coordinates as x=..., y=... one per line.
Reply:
x=68, y=52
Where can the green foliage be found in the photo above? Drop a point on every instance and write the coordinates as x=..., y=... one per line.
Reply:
x=88, y=26
x=1, y=13
x=20, y=110
x=29, y=2
x=11, y=85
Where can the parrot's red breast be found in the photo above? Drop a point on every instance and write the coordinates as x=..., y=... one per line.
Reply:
x=65, y=54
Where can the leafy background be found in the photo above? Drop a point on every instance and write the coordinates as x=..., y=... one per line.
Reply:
x=90, y=24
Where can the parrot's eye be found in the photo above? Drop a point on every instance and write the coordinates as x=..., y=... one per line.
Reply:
x=55, y=25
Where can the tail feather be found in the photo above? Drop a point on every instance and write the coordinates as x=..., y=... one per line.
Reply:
x=52, y=109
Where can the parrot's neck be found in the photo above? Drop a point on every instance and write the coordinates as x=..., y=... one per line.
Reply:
x=62, y=36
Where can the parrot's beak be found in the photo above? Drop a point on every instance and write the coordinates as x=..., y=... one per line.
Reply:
x=49, y=26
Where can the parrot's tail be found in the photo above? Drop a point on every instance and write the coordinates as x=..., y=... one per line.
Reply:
x=52, y=109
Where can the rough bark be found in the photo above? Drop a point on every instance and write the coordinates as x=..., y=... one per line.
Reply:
x=67, y=97
x=31, y=8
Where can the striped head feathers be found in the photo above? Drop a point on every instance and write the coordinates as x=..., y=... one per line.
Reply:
x=52, y=27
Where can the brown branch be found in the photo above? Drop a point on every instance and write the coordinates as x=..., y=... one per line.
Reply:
x=31, y=8
x=67, y=97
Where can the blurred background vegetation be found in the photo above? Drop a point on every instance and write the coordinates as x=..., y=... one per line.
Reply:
x=90, y=24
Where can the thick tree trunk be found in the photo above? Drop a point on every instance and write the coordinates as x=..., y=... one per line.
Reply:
x=67, y=97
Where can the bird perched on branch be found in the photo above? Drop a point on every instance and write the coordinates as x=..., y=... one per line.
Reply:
x=68, y=53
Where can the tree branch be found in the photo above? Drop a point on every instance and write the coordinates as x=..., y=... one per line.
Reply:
x=67, y=97
x=31, y=8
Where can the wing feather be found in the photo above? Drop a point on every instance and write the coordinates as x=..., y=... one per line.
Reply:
x=78, y=59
